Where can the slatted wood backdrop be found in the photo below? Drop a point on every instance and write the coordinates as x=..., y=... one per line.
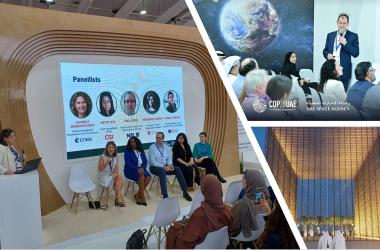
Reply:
x=27, y=35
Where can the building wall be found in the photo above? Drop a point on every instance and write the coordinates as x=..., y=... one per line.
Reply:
x=367, y=195
x=339, y=157
x=282, y=171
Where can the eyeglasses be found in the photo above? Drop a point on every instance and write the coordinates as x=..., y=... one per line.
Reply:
x=371, y=70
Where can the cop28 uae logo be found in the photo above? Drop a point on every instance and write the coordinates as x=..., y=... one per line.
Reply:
x=259, y=105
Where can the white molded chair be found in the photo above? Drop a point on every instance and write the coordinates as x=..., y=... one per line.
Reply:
x=132, y=183
x=156, y=179
x=215, y=240
x=254, y=234
x=233, y=191
x=197, y=200
x=315, y=98
x=80, y=183
x=166, y=213
x=307, y=74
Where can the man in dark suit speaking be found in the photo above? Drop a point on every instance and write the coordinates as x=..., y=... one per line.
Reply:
x=341, y=45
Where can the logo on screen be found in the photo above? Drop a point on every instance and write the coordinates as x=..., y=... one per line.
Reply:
x=108, y=137
x=78, y=140
x=259, y=105
x=172, y=131
x=129, y=135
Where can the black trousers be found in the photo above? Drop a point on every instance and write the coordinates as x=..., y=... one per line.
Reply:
x=209, y=165
x=187, y=172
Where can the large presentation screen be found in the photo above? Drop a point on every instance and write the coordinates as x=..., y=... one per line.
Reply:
x=104, y=102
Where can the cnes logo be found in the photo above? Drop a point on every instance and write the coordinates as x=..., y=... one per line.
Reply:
x=78, y=140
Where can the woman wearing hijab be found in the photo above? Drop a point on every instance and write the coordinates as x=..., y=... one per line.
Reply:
x=289, y=66
x=289, y=69
x=245, y=210
x=211, y=216
x=277, y=233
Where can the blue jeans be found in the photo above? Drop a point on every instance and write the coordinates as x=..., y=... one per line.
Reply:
x=161, y=173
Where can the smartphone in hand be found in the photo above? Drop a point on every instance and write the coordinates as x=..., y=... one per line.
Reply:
x=258, y=195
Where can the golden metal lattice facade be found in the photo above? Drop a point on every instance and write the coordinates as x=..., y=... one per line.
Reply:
x=333, y=154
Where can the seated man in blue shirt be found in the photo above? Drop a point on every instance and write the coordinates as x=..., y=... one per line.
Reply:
x=161, y=165
x=364, y=95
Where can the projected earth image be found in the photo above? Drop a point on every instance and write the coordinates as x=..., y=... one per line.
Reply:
x=249, y=25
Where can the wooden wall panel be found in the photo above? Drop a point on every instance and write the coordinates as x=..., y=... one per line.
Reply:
x=29, y=35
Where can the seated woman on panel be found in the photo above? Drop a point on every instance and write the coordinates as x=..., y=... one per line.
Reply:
x=135, y=167
x=202, y=154
x=108, y=166
x=183, y=158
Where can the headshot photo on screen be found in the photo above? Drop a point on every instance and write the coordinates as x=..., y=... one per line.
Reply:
x=151, y=102
x=80, y=104
x=171, y=101
x=130, y=103
x=107, y=104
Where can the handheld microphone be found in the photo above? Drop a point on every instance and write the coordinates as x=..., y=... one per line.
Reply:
x=341, y=34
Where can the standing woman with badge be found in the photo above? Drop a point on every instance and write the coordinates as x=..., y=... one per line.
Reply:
x=108, y=166
x=10, y=159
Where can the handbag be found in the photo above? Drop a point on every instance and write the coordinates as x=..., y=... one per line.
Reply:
x=97, y=204
x=137, y=240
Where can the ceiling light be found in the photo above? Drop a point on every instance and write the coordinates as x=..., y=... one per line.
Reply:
x=143, y=10
x=48, y=2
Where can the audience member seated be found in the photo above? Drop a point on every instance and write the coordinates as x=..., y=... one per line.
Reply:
x=289, y=69
x=245, y=210
x=135, y=167
x=254, y=91
x=183, y=158
x=277, y=233
x=202, y=154
x=246, y=65
x=231, y=66
x=212, y=215
x=278, y=88
x=329, y=83
x=161, y=165
x=108, y=166
x=220, y=55
x=364, y=95
x=10, y=159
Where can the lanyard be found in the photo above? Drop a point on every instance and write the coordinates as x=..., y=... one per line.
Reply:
x=112, y=164
x=15, y=154
x=161, y=152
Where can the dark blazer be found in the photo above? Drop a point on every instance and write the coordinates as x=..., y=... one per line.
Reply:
x=131, y=162
x=350, y=49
